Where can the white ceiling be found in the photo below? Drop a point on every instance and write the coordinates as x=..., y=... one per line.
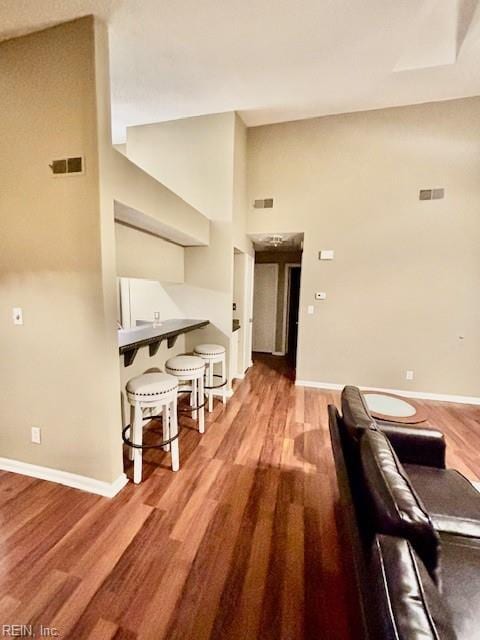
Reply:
x=273, y=60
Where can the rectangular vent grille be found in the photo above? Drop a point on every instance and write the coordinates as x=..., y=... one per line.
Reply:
x=431, y=194
x=266, y=203
x=67, y=166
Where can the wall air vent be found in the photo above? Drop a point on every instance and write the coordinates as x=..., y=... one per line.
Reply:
x=266, y=203
x=431, y=194
x=425, y=194
x=67, y=166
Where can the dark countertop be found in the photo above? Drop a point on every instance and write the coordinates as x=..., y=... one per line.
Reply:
x=130, y=340
x=235, y=324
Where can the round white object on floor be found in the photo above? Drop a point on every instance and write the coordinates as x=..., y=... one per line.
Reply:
x=389, y=405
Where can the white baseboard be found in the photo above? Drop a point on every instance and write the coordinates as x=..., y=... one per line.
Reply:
x=421, y=395
x=328, y=386
x=278, y=353
x=99, y=487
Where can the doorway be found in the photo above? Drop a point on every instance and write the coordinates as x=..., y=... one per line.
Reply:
x=277, y=296
x=241, y=344
x=265, y=292
x=292, y=308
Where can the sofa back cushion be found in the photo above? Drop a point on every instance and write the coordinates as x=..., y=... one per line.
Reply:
x=405, y=603
x=396, y=507
x=355, y=414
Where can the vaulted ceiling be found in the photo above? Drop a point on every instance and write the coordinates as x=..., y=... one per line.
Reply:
x=273, y=60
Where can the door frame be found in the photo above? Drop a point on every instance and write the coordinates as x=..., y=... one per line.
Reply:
x=286, y=302
x=275, y=313
x=245, y=262
x=248, y=316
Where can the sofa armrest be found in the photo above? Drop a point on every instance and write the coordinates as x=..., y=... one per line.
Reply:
x=416, y=445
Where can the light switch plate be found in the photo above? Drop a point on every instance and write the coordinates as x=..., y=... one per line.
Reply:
x=310, y=309
x=17, y=315
x=326, y=254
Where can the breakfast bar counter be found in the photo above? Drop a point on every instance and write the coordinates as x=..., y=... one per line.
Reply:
x=148, y=334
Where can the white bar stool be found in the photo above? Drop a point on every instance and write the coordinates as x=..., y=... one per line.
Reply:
x=213, y=354
x=148, y=391
x=190, y=369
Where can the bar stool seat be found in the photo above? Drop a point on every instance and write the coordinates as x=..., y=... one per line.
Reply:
x=149, y=385
x=190, y=369
x=146, y=391
x=213, y=354
x=184, y=364
x=209, y=350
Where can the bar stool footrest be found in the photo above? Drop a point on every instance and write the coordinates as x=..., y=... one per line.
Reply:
x=217, y=386
x=129, y=443
x=189, y=409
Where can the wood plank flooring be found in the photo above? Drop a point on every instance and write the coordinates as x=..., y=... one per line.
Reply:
x=244, y=542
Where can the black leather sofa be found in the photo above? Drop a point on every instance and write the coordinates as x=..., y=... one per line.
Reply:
x=412, y=526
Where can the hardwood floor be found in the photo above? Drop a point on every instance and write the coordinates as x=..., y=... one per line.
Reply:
x=243, y=542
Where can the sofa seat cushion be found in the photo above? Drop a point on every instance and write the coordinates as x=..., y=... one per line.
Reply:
x=461, y=584
x=407, y=604
x=451, y=500
x=397, y=509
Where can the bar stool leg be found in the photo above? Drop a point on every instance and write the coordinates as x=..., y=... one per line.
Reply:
x=130, y=432
x=193, y=399
x=166, y=425
x=224, y=388
x=173, y=432
x=201, y=400
x=210, y=384
x=137, y=439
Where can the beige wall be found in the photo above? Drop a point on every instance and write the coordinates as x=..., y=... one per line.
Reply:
x=203, y=160
x=142, y=255
x=128, y=251
x=281, y=258
x=144, y=202
x=240, y=201
x=208, y=290
x=192, y=156
x=59, y=371
x=139, y=193
x=242, y=243
x=402, y=289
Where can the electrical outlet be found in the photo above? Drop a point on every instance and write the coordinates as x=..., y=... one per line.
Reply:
x=17, y=315
x=320, y=295
x=408, y=374
x=310, y=309
x=36, y=435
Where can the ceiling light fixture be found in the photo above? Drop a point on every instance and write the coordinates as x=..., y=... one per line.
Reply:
x=275, y=240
